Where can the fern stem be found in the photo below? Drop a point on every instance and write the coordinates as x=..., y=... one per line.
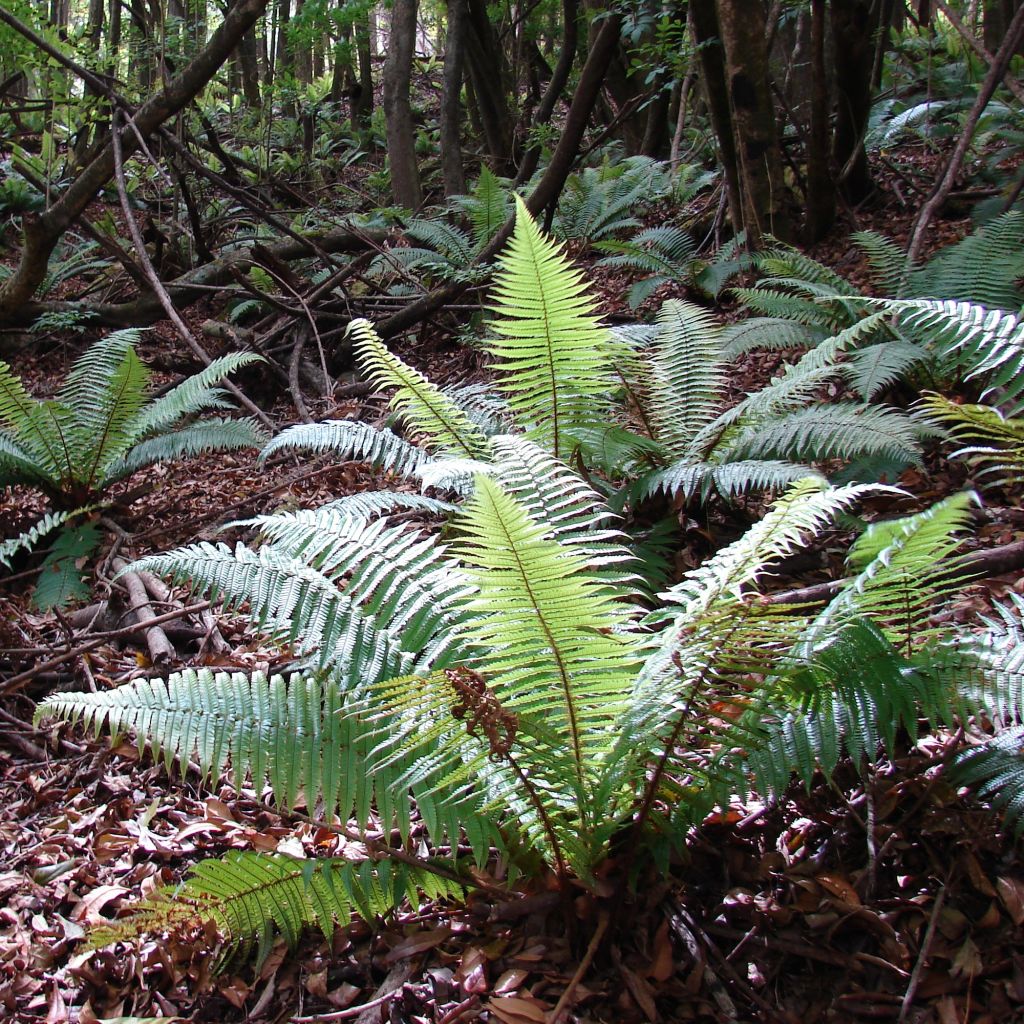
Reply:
x=549, y=828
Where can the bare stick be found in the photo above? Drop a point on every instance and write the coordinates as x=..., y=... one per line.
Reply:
x=157, y=285
x=563, y=1004
x=161, y=651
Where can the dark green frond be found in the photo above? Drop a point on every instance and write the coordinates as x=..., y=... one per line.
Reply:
x=888, y=262
x=871, y=370
x=995, y=770
x=193, y=395
x=730, y=479
x=60, y=580
x=250, y=897
x=768, y=333
x=211, y=435
x=842, y=430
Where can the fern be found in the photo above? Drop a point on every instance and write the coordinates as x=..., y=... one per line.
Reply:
x=28, y=539
x=666, y=253
x=427, y=409
x=548, y=344
x=351, y=439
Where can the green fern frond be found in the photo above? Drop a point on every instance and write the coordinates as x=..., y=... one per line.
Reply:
x=989, y=342
x=193, y=395
x=548, y=347
x=211, y=435
x=770, y=334
x=887, y=261
x=801, y=270
x=351, y=439
x=368, y=504
x=398, y=576
x=488, y=206
x=995, y=770
x=28, y=539
x=290, y=599
x=686, y=380
x=552, y=640
x=842, y=430
x=902, y=570
x=731, y=479
x=250, y=897
x=454, y=245
x=994, y=442
x=428, y=410
x=871, y=370
x=60, y=580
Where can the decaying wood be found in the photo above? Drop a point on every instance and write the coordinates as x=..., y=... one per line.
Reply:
x=161, y=650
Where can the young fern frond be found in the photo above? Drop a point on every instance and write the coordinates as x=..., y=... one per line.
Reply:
x=351, y=439
x=427, y=409
x=248, y=898
x=548, y=344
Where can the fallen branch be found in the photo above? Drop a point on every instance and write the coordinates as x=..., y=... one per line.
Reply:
x=161, y=650
x=18, y=682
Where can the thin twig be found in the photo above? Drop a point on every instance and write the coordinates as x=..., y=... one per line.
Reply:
x=563, y=1004
x=922, y=957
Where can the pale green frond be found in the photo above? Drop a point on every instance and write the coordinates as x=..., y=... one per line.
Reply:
x=452, y=474
x=902, y=570
x=210, y=435
x=290, y=599
x=20, y=465
x=730, y=479
x=369, y=504
x=553, y=642
x=400, y=578
x=351, y=439
x=548, y=343
x=16, y=403
x=988, y=342
x=95, y=368
x=488, y=206
x=193, y=395
x=427, y=409
x=800, y=269
x=994, y=443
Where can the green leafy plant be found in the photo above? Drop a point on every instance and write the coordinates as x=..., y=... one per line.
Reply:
x=543, y=716
x=101, y=427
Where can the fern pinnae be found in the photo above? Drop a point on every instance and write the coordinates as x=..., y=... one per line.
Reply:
x=427, y=408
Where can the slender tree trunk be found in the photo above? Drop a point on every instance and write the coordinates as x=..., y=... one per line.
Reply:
x=821, y=198
x=559, y=79
x=716, y=93
x=492, y=87
x=854, y=24
x=401, y=132
x=452, y=172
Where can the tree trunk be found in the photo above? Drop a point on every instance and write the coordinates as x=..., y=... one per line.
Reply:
x=821, y=197
x=716, y=93
x=854, y=24
x=452, y=172
x=559, y=78
x=492, y=88
x=763, y=190
x=401, y=132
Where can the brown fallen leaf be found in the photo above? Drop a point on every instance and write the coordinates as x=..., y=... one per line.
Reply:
x=90, y=907
x=418, y=943
x=518, y=1010
x=1011, y=892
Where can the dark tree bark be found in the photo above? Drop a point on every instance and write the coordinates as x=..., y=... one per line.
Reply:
x=716, y=93
x=854, y=25
x=401, y=132
x=557, y=83
x=452, y=172
x=492, y=87
x=763, y=192
x=821, y=197
x=41, y=232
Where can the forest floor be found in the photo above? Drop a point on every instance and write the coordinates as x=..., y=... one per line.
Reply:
x=892, y=899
